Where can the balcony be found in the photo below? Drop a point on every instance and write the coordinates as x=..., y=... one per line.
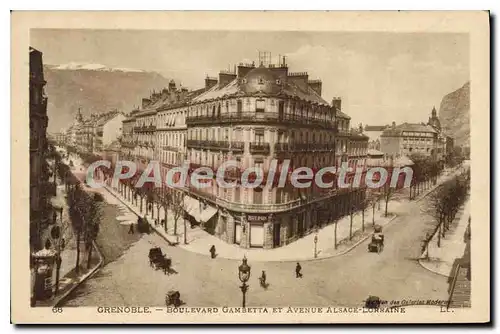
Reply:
x=311, y=147
x=202, y=193
x=171, y=148
x=128, y=144
x=281, y=147
x=260, y=148
x=215, y=145
x=259, y=117
x=150, y=128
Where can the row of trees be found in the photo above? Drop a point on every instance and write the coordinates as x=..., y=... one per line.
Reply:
x=151, y=198
x=425, y=173
x=446, y=201
x=84, y=209
x=85, y=212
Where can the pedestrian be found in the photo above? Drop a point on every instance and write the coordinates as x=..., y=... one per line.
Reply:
x=156, y=222
x=262, y=279
x=212, y=251
x=163, y=222
x=298, y=268
x=131, y=229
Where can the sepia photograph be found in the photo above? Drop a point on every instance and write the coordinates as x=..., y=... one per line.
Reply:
x=270, y=175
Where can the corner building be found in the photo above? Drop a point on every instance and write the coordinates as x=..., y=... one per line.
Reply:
x=253, y=115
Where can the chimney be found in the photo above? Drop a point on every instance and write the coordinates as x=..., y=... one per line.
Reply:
x=243, y=69
x=210, y=82
x=300, y=79
x=171, y=86
x=145, y=102
x=337, y=103
x=225, y=78
x=315, y=85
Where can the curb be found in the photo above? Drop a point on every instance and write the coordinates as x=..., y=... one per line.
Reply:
x=83, y=278
x=431, y=270
x=309, y=259
x=294, y=260
x=133, y=211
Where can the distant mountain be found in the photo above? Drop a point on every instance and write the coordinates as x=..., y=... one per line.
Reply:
x=454, y=114
x=94, y=88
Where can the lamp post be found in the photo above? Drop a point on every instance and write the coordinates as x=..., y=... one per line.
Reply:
x=316, y=245
x=244, y=275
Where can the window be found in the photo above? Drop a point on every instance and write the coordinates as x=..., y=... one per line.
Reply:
x=261, y=105
x=240, y=106
x=259, y=136
x=257, y=195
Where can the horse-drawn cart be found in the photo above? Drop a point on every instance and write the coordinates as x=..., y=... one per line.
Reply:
x=158, y=260
x=173, y=298
x=377, y=242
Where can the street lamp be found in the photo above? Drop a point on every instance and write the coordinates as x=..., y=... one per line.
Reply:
x=316, y=245
x=244, y=275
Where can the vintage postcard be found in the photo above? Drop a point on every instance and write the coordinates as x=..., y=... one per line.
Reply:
x=250, y=167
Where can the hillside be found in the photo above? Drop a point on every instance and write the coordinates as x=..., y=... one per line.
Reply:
x=95, y=89
x=454, y=114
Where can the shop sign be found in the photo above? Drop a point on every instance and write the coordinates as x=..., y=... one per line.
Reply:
x=256, y=218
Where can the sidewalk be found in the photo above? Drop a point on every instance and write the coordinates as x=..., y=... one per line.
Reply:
x=199, y=241
x=441, y=259
x=69, y=280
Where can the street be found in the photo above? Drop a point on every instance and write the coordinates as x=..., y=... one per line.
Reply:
x=347, y=280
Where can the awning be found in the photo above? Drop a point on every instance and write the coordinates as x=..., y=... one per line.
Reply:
x=199, y=211
x=209, y=212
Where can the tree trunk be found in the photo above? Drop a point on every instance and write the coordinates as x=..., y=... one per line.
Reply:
x=58, y=272
x=439, y=235
x=89, y=258
x=386, y=206
x=185, y=232
x=363, y=220
x=165, y=227
x=350, y=226
x=373, y=214
x=175, y=224
x=77, y=265
x=335, y=235
x=141, y=204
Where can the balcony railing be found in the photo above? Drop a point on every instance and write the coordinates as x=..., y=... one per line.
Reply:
x=150, y=128
x=260, y=148
x=171, y=148
x=259, y=117
x=215, y=145
x=203, y=193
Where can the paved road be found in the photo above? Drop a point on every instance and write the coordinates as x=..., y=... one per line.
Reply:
x=346, y=280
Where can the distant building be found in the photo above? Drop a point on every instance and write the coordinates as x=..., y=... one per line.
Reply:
x=417, y=138
x=374, y=132
x=107, y=129
x=409, y=138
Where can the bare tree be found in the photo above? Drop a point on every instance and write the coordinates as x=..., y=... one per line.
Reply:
x=387, y=195
x=94, y=216
x=177, y=208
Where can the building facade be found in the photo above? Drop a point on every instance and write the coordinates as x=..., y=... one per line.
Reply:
x=107, y=129
x=417, y=138
x=409, y=138
x=251, y=116
x=39, y=173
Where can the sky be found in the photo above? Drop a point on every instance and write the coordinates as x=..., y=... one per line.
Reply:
x=381, y=77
